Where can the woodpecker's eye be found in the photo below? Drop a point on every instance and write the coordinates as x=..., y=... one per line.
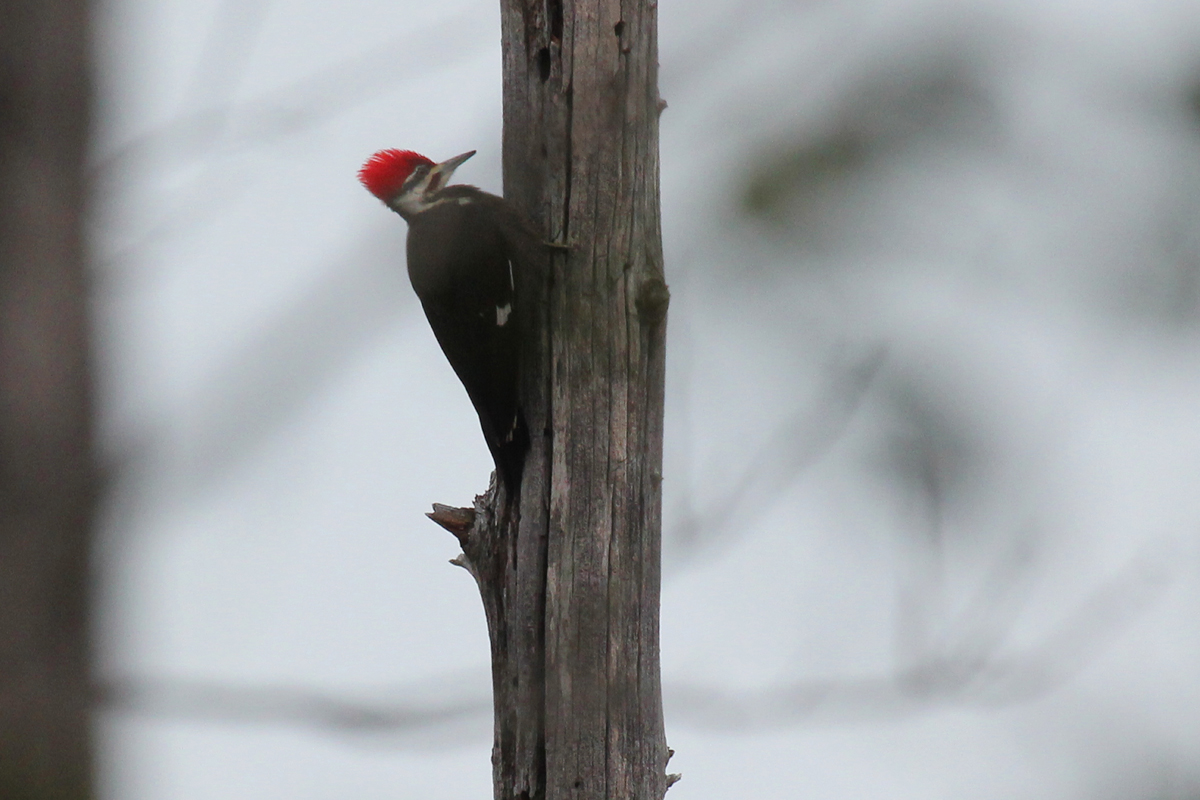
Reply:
x=417, y=176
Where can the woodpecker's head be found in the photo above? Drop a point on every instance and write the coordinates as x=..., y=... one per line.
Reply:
x=408, y=182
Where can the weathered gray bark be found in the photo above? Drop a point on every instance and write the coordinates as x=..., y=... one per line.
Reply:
x=46, y=477
x=571, y=581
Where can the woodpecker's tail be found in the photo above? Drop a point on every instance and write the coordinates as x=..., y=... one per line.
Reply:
x=509, y=455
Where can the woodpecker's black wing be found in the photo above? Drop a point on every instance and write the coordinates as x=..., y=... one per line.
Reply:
x=461, y=266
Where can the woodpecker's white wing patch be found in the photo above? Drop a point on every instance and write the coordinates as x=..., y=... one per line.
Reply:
x=502, y=313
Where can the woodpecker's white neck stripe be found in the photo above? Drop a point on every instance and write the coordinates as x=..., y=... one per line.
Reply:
x=417, y=199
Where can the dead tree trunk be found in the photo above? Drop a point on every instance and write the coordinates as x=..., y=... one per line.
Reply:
x=46, y=478
x=570, y=582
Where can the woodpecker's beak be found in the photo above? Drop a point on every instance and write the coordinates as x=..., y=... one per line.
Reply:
x=445, y=169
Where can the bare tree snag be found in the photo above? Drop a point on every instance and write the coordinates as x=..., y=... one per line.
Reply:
x=570, y=573
x=46, y=471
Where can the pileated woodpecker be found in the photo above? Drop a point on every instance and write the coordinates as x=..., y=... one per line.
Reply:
x=464, y=249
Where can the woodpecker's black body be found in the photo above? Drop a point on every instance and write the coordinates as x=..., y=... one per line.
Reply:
x=463, y=254
x=466, y=251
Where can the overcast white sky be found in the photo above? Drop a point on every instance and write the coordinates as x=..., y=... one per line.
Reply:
x=933, y=452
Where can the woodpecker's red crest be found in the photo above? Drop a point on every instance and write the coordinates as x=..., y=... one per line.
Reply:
x=409, y=182
x=385, y=172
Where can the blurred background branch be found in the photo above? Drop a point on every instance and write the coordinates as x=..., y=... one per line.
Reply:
x=47, y=475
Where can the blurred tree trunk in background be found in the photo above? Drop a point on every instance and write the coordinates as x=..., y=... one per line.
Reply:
x=47, y=479
x=572, y=591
